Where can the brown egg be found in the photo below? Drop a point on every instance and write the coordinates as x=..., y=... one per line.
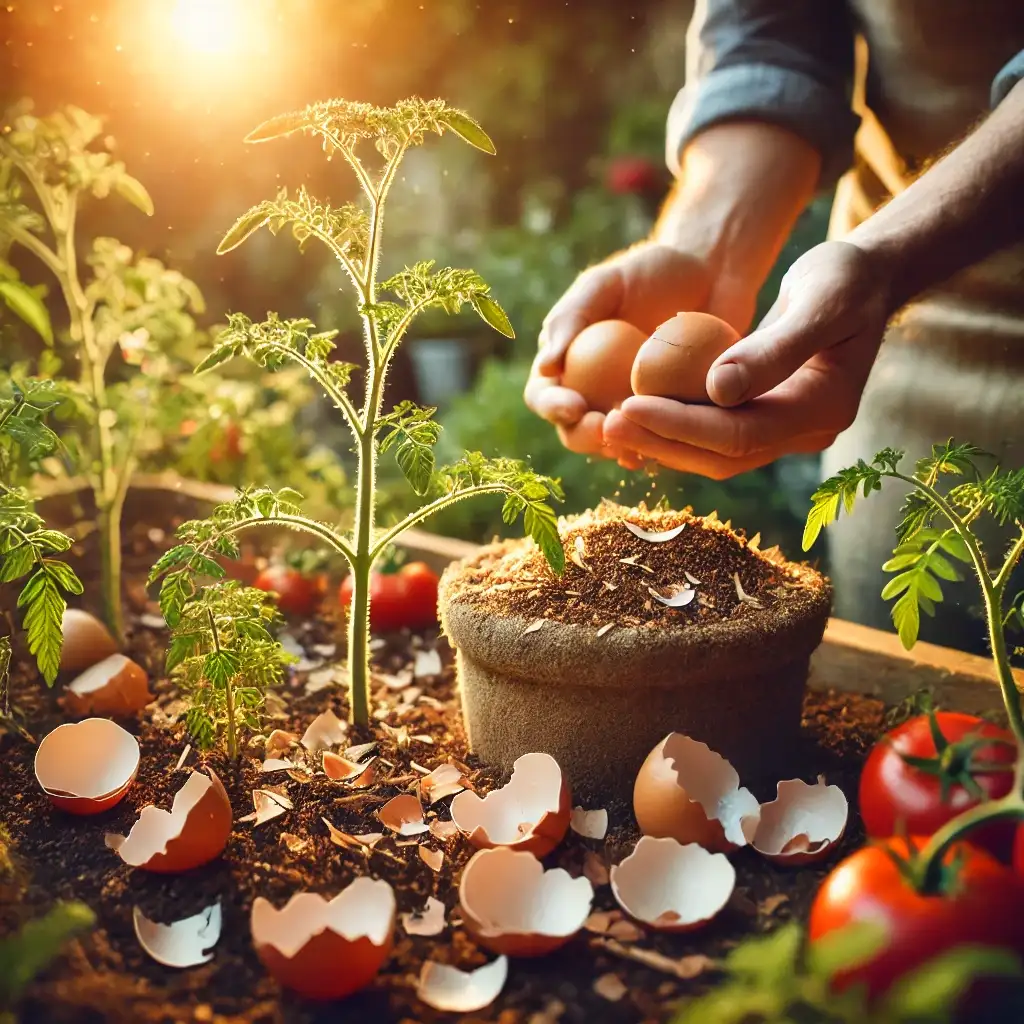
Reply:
x=674, y=361
x=86, y=641
x=599, y=361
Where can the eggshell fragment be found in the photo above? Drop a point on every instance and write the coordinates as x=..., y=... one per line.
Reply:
x=193, y=832
x=185, y=943
x=268, y=805
x=599, y=361
x=429, y=921
x=654, y=536
x=589, y=824
x=454, y=991
x=531, y=812
x=674, y=362
x=326, y=949
x=326, y=730
x=278, y=742
x=86, y=641
x=802, y=823
x=113, y=686
x=672, y=887
x=404, y=815
x=687, y=791
x=444, y=780
x=678, y=596
x=511, y=905
x=87, y=767
x=340, y=769
x=427, y=664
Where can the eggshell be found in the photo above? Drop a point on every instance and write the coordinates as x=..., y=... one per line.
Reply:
x=447, y=988
x=86, y=641
x=512, y=906
x=688, y=792
x=185, y=943
x=531, y=812
x=674, y=361
x=599, y=361
x=326, y=949
x=802, y=823
x=113, y=686
x=87, y=767
x=193, y=832
x=672, y=887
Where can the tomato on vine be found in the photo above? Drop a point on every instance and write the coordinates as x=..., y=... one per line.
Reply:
x=933, y=767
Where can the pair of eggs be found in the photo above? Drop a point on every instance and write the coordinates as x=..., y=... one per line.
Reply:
x=611, y=360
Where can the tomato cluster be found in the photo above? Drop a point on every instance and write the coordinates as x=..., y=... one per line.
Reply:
x=917, y=778
x=406, y=599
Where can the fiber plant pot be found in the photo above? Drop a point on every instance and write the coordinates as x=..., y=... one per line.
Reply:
x=594, y=670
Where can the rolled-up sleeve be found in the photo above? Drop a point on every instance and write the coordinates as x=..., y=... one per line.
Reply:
x=788, y=62
x=1009, y=75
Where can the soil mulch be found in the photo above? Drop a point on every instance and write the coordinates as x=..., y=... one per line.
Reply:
x=612, y=576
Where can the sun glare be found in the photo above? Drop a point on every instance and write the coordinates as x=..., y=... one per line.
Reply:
x=209, y=27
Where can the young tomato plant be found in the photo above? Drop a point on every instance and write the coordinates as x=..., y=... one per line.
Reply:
x=353, y=235
x=224, y=656
x=27, y=546
x=949, y=492
x=49, y=166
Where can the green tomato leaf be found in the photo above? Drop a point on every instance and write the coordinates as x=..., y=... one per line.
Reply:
x=906, y=617
x=24, y=302
x=468, y=129
x=279, y=126
x=492, y=313
x=846, y=948
x=541, y=523
x=135, y=192
x=249, y=223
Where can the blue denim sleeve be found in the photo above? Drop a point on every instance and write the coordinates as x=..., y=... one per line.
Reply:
x=789, y=62
x=1009, y=75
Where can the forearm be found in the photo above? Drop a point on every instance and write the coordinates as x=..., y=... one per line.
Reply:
x=741, y=187
x=965, y=207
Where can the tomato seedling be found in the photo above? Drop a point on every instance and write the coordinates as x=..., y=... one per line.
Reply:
x=352, y=234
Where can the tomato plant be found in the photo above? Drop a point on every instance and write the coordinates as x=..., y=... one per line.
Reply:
x=932, y=767
x=403, y=599
x=297, y=593
x=979, y=903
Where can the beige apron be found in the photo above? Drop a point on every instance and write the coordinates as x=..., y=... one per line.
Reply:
x=952, y=363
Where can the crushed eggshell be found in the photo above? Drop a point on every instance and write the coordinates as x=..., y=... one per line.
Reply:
x=453, y=991
x=277, y=764
x=672, y=887
x=444, y=780
x=427, y=664
x=443, y=829
x=656, y=536
x=434, y=859
x=530, y=812
x=87, y=767
x=302, y=944
x=278, y=742
x=677, y=596
x=185, y=943
x=194, y=831
x=113, y=686
x=403, y=814
x=269, y=805
x=341, y=769
x=589, y=824
x=326, y=730
x=802, y=823
x=428, y=921
x=293, y=843
x=611, y=987
x=687, y=791
x=511, y=905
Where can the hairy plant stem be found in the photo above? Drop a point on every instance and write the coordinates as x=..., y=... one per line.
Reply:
x=928, y=868
x=229, y=695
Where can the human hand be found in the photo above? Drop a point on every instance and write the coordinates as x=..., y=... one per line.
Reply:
x=644, y=285
x=790, y=386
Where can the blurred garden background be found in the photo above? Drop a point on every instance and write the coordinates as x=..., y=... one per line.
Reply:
x=574, y=95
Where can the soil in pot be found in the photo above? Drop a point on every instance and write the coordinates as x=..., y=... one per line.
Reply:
x=595, y=667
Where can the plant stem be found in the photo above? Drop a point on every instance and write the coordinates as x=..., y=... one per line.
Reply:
x=300, y=523
x=229, y=693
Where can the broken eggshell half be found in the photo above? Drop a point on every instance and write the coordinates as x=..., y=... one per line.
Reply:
x=686, y=791
x=87, y=767
x=86, y=641
x=326, y=949
x=672, y=887
x=512, y=906
x=531, y=812
x=113, y=686
x=185, y=943
x=802, y=823
x=447, y=988
x=193, y=832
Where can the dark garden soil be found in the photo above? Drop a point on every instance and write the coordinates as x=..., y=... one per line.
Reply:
x=107, y=977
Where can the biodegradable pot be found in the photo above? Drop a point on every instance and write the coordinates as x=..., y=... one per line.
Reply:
x=599, y=705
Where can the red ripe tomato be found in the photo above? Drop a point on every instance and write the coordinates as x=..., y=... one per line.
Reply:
x=632, y=174
x=1018, y=852
x=895, y=791
x=403, y=599
x=296, y=594
x=983, y=906
x=228, y=447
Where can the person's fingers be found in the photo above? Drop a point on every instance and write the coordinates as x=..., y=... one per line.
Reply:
x=812, y=402
x=688, y=458
x=587, y=436
x=549, y=400
x=595, y=295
